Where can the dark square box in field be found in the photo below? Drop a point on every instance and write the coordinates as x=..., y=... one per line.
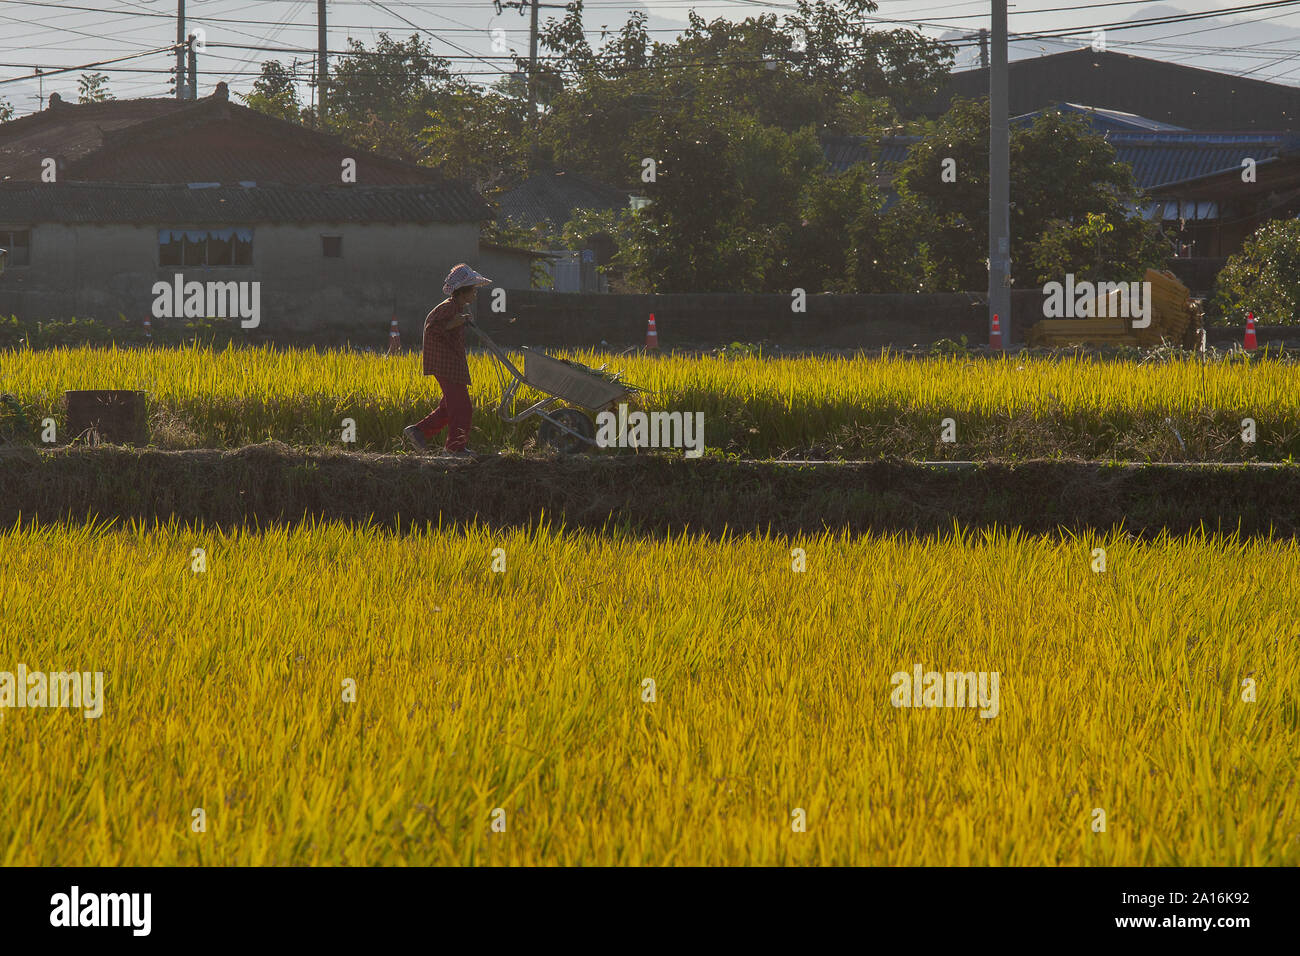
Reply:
x=116, y=416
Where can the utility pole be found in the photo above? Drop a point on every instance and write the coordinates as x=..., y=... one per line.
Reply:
x=193, y=89
x=984, y=48
x=322, y=62
x=532, y=67
x=180, y=49
x=535, y=6
x=999, y=180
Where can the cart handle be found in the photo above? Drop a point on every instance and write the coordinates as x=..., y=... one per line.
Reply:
x=495, y=349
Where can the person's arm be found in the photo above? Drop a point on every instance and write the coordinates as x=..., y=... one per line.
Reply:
x=444, y=318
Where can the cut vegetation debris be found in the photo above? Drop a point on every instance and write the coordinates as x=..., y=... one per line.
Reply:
x=602, y=373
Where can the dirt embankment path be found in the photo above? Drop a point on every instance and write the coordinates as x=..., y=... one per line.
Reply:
x=273, y=483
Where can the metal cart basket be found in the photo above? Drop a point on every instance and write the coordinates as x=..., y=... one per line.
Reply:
x=567, y=429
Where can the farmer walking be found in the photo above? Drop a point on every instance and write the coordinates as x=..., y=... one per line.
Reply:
x=444, y=359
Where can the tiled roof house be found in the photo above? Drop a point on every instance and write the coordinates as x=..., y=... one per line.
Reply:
x=100, y=201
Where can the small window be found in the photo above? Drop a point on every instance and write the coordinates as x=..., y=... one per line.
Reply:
x=196, y=250
x=205, y=247
x=221, y=250
x=332, y=246
x=169, y=251
x=243, y=248
x=19, y=244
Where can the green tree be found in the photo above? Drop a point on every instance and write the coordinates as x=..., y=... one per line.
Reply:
x=1091, y=250
x=381, y=99
x=1263, y=278
x=1060, y=172
x=820, y=68
x=594, y=100
x=478, y=136
x=275, y=93
x=724, y=204
x=6, y=111
x=845, y=53
x=93, y=88
x=840, y=244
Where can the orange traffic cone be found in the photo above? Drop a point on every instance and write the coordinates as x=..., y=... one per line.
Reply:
x=1250, y=344
x=651, y=334
x=394, y=338
x=995, y=336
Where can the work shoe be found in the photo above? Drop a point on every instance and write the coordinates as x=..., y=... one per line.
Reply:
x=415, y=438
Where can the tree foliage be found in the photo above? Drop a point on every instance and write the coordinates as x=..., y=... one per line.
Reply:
x=93, y=88
x=381, y=98
x=275, y=93
x=819, y=67
x=1061, y=171
x=477, y=136
x=1264, y=277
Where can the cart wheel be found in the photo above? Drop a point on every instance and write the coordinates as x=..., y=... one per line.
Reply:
x=562, y=441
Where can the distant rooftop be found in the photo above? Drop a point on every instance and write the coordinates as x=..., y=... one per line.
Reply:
x=1173, y=93
x=843, y=151
x=79, y=202
x=71, y=131
x=178, y=141
x=1102, y=120
x=1159, y=153
x=1159, y=159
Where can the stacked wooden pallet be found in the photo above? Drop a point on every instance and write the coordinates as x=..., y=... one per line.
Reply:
x=1054, y=332
x=1175, y=318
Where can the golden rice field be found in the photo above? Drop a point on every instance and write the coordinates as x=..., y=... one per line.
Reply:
x=523, y=690
x=754, y=407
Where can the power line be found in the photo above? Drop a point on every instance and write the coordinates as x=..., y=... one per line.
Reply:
x=1120, y=25
x=51, y=71
x=430, y=33
x=1129, y=24
x=469, y=55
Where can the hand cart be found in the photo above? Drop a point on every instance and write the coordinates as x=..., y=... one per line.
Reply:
x=567, y=429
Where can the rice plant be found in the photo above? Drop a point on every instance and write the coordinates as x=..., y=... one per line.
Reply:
x=757, y=407
x=321, y=695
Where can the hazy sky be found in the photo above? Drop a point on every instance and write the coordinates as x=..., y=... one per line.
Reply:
x=52, y=33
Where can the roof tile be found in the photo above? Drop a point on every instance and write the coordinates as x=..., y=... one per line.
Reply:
x=269, y=202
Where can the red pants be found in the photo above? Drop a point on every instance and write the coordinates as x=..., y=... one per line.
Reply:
x=455, y=410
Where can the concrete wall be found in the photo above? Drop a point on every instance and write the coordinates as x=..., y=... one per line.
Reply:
x=98, y=271
x=507, y=270
x=710, y=320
